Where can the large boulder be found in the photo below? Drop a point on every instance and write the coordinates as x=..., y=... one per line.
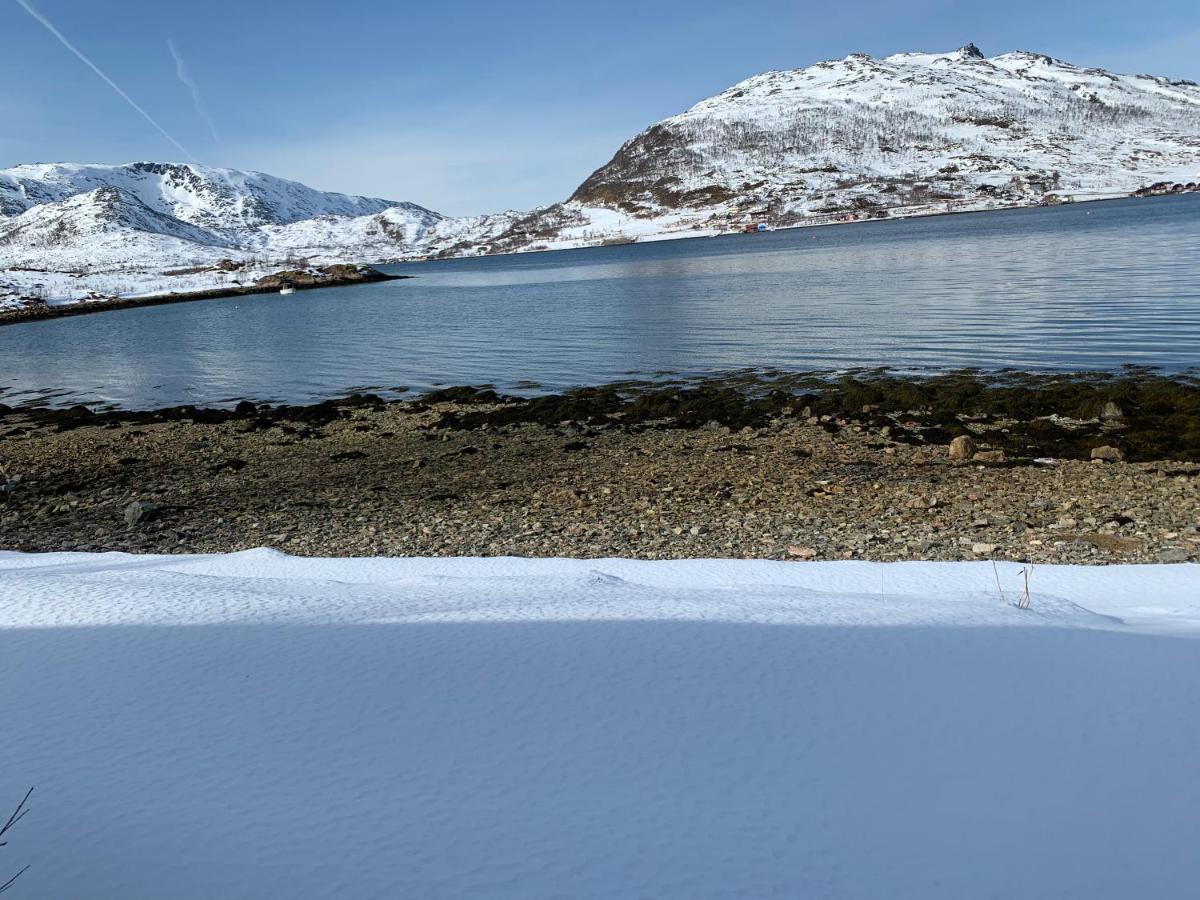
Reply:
x=963, y=447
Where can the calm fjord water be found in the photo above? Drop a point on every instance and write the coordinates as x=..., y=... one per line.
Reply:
x=1091, y=286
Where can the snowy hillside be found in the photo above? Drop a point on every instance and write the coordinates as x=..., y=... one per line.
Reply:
x=397, y=232
x=911, y=134
x=864, y=135
x=221, y=199
x=105, y=228
x=257, y=725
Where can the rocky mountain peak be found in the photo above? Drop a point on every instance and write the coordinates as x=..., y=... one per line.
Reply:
x=866, y=138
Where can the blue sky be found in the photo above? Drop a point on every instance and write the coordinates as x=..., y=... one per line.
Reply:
x=471, y=106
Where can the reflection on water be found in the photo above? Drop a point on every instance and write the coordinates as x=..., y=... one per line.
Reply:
x=1093, y=286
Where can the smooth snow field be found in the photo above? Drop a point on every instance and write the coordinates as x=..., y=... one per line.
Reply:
x=260, y=726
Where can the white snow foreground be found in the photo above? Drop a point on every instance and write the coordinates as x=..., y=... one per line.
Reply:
x=256, y=725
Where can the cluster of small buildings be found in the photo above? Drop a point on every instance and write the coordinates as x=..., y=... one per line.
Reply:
x=1167, y=187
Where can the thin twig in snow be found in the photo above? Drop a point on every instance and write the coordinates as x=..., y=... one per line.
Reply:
x=1023, y=603
x=17, y=815
x=4, y=887
x=996, y=570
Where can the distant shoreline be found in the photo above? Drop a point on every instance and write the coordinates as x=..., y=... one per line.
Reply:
x=671, y=237
x=366, y=273
x=340, y=276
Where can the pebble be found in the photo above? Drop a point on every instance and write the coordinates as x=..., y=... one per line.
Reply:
x=989, y=456
x=138, y=511
x=962, y=447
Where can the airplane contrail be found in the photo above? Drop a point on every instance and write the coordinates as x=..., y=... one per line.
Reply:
x=91, y=65
x=185, y=75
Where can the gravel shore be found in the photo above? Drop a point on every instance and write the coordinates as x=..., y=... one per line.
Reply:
x=467, y=473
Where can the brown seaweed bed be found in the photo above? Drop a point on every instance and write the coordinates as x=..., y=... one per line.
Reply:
x=1147, y=415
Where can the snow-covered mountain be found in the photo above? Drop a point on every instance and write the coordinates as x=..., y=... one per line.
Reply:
x=885, y=132
x=871, y=137
x=91, y=218
x=858, y=137
x=208, y=197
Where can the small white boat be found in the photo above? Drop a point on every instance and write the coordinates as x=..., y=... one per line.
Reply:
x=287, y=290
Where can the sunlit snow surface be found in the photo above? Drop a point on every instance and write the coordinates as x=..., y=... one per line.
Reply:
x=256, y=725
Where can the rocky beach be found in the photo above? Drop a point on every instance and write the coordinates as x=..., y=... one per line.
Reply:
x=1072, y=469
